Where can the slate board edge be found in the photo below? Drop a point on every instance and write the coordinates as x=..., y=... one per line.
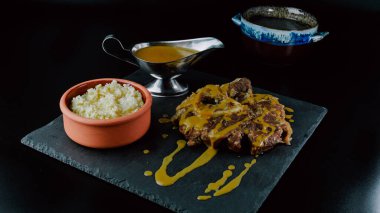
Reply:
x=124, y=183
x=306, y=138
x=52, y=153
x=120, y=183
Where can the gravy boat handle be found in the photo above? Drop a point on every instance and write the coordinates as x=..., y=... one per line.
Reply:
x=127, y=59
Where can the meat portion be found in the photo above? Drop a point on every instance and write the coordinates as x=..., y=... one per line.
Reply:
x=232, y=113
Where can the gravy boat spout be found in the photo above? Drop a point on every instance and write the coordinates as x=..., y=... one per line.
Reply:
x=165, y=73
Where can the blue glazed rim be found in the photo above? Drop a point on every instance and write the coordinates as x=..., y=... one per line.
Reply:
x=279, y=37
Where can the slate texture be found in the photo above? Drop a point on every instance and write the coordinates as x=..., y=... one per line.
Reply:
x=124, y=167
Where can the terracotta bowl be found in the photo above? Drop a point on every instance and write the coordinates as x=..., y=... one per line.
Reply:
x=107, y=133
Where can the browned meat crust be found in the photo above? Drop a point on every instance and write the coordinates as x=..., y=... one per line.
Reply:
x=231, y=112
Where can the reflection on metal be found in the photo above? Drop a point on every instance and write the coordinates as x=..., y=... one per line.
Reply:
x=165, y=74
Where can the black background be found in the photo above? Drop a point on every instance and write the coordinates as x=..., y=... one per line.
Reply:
x=49, y=46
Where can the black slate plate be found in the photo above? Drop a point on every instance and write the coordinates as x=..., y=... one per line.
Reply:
x=124, y=167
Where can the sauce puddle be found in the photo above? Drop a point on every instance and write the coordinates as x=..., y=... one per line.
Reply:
x=163, y=54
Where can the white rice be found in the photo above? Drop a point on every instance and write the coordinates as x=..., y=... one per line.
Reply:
x=109, y=101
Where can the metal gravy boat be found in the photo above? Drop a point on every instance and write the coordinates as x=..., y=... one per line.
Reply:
x=165, y=74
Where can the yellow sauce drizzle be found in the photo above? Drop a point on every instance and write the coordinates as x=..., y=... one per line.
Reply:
x=215, y=186
x=236, y=181
x=289, y=109
x=196, y=114
x=203, y=197
x=146, y=151
x=164, y=136
x=288, y=116
x=161, y=176
x=215, y=133
x=164, y=120
x=148, y=173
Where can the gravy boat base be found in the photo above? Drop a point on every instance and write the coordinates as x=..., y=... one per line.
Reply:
x=167, y=88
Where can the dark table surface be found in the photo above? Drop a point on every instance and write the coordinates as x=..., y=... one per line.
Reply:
x=48, y=47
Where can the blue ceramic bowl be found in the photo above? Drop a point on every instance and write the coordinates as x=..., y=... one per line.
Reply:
x=270, y=32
